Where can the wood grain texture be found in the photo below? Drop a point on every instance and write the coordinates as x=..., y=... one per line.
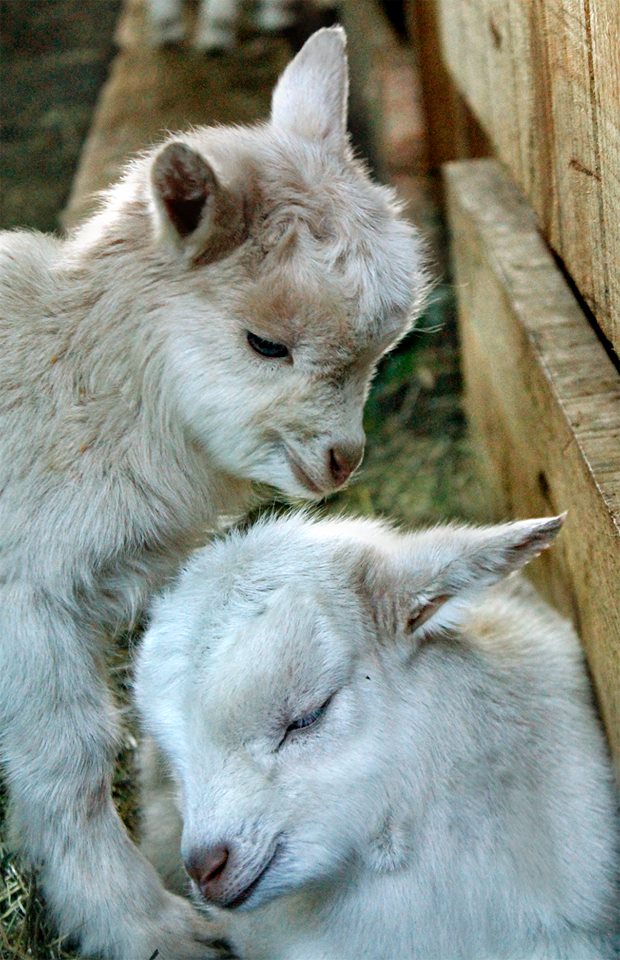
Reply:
x=453, y=131
x=543, y=78
x=543, y=399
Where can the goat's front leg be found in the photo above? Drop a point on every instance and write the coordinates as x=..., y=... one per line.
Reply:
x=274, y=15
x=161, y=822
x=216, y=29
x=167, y=23
x=59, y=732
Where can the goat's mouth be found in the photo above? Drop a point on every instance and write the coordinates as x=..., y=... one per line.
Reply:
x=304, y=477
x=242, y=897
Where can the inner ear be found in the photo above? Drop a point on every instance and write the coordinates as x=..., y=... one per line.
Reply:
x=424, y=612
x=184, y=182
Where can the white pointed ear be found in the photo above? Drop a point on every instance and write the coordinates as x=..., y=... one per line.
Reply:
x=423, y=584
x=192, y=209
x=310, y=99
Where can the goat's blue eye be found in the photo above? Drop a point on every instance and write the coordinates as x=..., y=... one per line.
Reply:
x=308, y=720
x=267, y=348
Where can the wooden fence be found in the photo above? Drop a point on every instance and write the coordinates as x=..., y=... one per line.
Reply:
x=536, y=249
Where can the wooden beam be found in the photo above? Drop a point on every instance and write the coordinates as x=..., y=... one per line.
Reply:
x=543, y=398
x=543, y=79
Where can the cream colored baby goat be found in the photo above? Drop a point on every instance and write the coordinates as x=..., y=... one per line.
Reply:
x=376, y=752
x=217, y=323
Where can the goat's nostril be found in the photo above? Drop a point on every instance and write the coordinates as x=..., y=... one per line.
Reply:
x=343, y=460
x=206, y=865
x=215, y=862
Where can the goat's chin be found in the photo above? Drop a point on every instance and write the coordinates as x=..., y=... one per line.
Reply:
x=273, y=886
x=285, y=880
x=286, y=484
x=258, y=898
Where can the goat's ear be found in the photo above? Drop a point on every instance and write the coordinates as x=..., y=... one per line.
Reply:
x=421, y=585
x=310, y=98
x=193, y=210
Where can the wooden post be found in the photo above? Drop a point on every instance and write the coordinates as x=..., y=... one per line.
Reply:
x=543, y=79
x=543, y=399
x=453, y=131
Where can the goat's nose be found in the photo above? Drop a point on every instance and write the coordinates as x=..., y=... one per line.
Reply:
x=206, y=866
x=343, y=459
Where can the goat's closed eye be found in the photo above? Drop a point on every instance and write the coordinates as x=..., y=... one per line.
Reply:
x=308, y=720
x=267, y=348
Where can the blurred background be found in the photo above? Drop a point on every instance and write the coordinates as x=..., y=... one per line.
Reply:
x=54, y=59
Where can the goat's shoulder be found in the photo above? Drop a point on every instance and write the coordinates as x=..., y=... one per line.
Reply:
x=512, y=624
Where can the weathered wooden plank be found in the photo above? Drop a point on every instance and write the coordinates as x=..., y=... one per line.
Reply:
x=385, y=113
x=543, y=399
x=543, y=78
x=453, y=132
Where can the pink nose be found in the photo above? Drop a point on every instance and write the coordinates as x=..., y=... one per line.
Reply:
x=343, y=459
x=206, y=867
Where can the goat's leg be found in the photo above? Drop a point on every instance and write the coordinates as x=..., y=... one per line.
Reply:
x=217, y=25
x=59, y=733
x=161, y=823
x=274, y=15
x=167, y=23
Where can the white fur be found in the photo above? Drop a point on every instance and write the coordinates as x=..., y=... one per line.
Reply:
x=134, y=416
x=455, y=799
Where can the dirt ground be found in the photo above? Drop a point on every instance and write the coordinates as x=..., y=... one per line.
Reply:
x=418, y=467
x=54, y=56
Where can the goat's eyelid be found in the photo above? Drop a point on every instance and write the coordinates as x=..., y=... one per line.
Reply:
x=312, y=716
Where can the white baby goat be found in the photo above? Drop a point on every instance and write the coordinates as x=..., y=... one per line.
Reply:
x=217, y=323
x=378, y=754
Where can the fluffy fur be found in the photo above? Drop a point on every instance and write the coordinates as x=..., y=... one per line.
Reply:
x=135, y=414
x=377, y=753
